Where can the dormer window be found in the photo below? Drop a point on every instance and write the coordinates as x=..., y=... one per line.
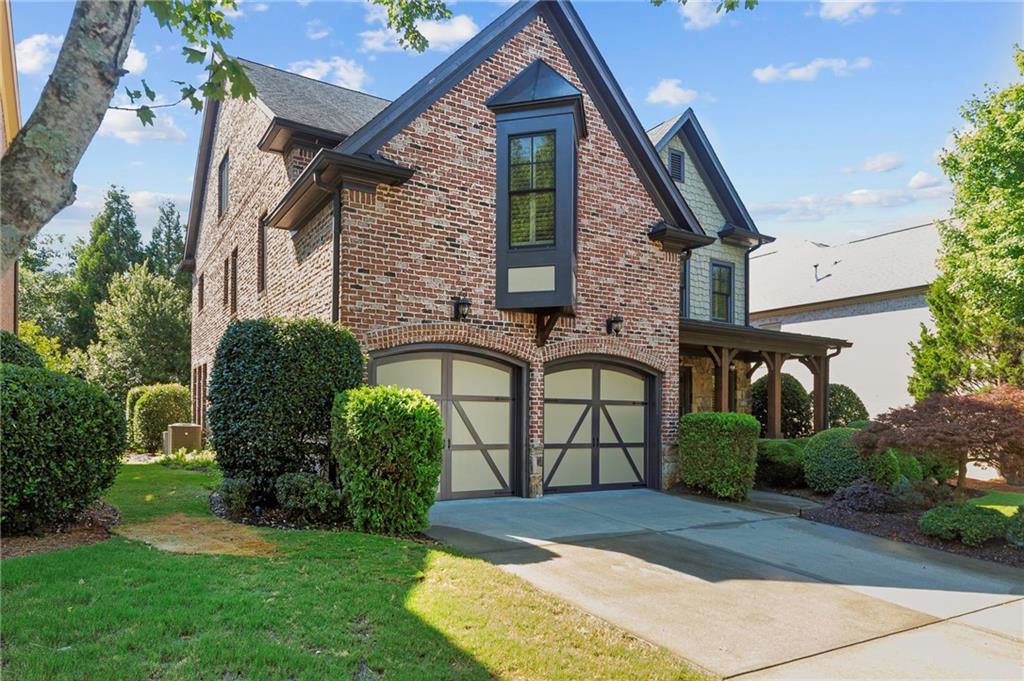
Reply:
x=675, y=165
x=532, y=190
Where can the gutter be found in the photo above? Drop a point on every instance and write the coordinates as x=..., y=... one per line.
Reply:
x=761, y=241
x=335, y=242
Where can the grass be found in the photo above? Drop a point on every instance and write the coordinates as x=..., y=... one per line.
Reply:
x=1004, y=502
x=323, y=605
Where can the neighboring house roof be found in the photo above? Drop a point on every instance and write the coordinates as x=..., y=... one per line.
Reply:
x=740, y=226
x=798, y=273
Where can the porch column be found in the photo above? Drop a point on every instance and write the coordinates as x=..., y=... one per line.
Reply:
x=722, y=358
x=774, y=361
x=818, y=366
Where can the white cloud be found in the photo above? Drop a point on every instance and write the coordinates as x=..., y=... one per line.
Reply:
x=317, y=30
x=699, y=14
x=260, y=7
x=817, y=207
x=37, y=53
x=442, y=36
x=847, y=11
x=810, y=70
x=126, y=126
x=879, y=163
x=136, y=61
x=338, y=70
x=671, y=92
x=303, y=3
x=923, y=180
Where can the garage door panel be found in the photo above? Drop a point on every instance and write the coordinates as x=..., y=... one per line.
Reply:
x=490, y=420
x=573, y=384
x=477, y=378
x=572, y=470
x=423, y=374
x=628, y=421
x=471, y=471
x=561, y=419
x=616, y=385
x=614, y=466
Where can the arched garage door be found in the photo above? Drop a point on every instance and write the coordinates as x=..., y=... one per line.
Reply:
x=597, y=427
x=478, y=401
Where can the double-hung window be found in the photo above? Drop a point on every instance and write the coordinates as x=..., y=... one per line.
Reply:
x=721, y=292
x=531, y=184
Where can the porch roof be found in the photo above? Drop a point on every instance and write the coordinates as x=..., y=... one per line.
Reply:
x=749, y=339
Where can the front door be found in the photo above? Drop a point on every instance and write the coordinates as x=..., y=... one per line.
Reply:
x=595, y=427
x=477, y=401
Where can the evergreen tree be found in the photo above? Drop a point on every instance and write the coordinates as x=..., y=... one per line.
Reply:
x=114, y=246
x=167, y=246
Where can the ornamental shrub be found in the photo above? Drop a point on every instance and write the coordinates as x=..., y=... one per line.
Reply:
x=13, y=350
x=1015, y=528
x=271, y=389
x=883, y=469
x=236, y=495
x=831, y=460
x=910, y=467
x=718, y=452
x=972, y=525
x=844, y=407
x=305, y=498
x=130, y=400
x=780, y=463
x=859, y=424
x=934, y=467
x=865, y=496
x=796, y=406
x=61, y=441
x=388, y=444
x=158, y=407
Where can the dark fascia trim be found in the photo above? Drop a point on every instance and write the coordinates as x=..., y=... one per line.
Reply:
x=690, y=127
x=199, y=179
x=753, y=339
x=675, y=240
x=741, y=236
x=294, y=129
x=592, y=70
x=575, y=103
x=369, y=171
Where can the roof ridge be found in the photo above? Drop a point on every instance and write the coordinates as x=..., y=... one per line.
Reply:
x=315, y=80
x=891, y=232
x=658, y=125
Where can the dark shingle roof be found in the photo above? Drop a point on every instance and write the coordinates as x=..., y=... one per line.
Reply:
x=312, y=102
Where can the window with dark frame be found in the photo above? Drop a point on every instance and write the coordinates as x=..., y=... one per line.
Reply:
x=261, y=255
x=532, y=190
x=732, y=387
x=675, y=165
x=227, y=283
x=201, y=292
x=222, y=186
x=234, y=281
x=721, y=292
x=686, y=389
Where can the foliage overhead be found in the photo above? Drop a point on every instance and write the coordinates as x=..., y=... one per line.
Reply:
x=718, y=452
x=48, y=348
x=166, y=246
x=796, y=406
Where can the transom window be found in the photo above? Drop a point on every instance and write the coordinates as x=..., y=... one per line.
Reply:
x=721, y=292
x=532, y=190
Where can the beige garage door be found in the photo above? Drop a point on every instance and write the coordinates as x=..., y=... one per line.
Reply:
x=595, y=427
x=476, y=397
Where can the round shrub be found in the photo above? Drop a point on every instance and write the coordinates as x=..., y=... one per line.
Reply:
x=388, y=443
x=910, y=467
x=61, y=441
x=831, y=460
x=1015, y=528
x=972, y=525
x=718, y=452
x=305, y=498
x=780, y=463
x=131, y=399
x=883, y=468
x=844, y=407
x=13, y=350
x=271, y=389
x=158, y=407
x=796, y=406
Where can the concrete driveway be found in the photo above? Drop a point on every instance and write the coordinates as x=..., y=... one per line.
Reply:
x=753, y=594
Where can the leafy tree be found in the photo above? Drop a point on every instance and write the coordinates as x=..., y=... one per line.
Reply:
x=39, y=166
x=977, y=301
x=47, y=347
x=143, y=334
x=167, y=246
x=114, y=246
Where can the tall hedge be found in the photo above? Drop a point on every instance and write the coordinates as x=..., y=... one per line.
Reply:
x=718, y=452
x=796, y=406
x=271, y=389
x=61, y=441
x=159, y=406
x=130, y=400
x=13, y=350
x=388, y=443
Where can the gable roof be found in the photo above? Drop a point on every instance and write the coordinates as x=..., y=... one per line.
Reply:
x=597, y=78
x=538, y=82
x=686, y=124
x=798, y=273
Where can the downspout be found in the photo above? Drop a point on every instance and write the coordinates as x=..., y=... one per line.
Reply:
x=335, y=243
x=746, y=279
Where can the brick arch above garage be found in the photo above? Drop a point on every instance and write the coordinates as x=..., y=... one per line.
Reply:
x=611, y=347
x=455, y=333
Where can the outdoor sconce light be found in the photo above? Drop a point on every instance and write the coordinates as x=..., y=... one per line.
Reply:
x=613, y=325
x=460, y=308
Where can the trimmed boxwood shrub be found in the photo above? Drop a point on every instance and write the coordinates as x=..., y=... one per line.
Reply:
x=131, y=399
x=780, y=463
x=271, y=389
x=844, y=407
x=796, y=406
x=388, y=444
x=859, y=424
x=61, y=441
x=13, y=350
x=972, y=525
x=718, y=452
x=157, y=407
x=1015, y=528
x=883, y=469
x=910, y=467
x=831, y=460
x=305, y=498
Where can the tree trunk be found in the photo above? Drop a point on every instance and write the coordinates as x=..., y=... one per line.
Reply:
x=39, y=166
x=961, y=474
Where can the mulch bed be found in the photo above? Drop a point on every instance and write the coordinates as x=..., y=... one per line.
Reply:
x=903, y=527
x=91, y=527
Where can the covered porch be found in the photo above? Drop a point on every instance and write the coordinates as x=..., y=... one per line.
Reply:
x=734, y=353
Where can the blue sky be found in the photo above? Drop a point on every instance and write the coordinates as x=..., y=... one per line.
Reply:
x=827, y=116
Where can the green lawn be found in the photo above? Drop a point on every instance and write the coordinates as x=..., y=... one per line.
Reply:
x=1004, y=502
x=324, y=605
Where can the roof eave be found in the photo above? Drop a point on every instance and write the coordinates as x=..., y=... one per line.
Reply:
x=281, y=131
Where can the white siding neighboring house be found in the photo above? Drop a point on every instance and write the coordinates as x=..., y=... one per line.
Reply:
x=870, y=291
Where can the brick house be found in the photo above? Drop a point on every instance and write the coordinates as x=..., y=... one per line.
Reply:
x=503, y=236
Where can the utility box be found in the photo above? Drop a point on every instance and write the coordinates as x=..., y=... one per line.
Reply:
x=187, y=435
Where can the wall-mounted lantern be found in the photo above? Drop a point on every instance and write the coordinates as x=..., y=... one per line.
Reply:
x=460, y=308
x=613, y=325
